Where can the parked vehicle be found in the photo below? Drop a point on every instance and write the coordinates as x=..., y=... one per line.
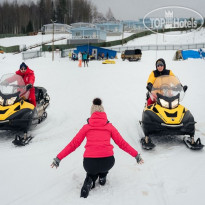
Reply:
x=1, y=51
x=132, y=55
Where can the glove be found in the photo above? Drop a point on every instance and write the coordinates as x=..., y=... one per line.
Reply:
x=139, y=159
x=185, y=87
x=149, y=87
x=55, y=163
x=28, y=87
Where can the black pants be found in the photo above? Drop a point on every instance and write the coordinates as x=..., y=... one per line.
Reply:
x=98, y=166
x=85, y=62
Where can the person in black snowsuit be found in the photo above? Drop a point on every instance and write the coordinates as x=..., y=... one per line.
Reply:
x=85, y=58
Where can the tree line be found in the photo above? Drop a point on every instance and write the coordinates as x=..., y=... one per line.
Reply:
x=24, y=18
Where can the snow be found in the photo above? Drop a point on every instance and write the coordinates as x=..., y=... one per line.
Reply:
x=32, y=40
x=171, y=174
x=162, y=39
x=114, y=38
x=39, y=39
x=171, y=38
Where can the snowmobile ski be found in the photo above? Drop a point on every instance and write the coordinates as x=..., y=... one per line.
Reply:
x=148, y=146
x=20, y=141
x=196, y=146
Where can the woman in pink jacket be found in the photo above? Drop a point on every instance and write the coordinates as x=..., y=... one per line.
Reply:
x=98, y=155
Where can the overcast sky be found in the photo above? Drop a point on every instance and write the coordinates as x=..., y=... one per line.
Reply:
x=134, y=9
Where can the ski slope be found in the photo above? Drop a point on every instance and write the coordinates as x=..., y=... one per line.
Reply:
x=42, y=39
x=153, y=39
x=177, y=37
x=171, y=174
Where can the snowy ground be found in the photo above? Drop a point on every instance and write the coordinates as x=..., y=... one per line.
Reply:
x=172, y=174
x=32, y=40
x=170, y=38
x=39, y=39
x=114, y=38
x=167, y=38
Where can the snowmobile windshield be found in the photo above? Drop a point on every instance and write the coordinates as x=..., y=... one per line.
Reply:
x=12, y=84
x=168, y=87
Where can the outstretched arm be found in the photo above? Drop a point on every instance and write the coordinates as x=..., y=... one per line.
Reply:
x=125, y=146
x=75, y=143
x=122, y=143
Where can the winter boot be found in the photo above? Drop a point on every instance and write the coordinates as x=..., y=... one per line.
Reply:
x=102, y=178
x=88, y=183
x=102, y=181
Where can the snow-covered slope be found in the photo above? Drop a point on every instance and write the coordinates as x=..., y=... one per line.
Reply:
x=169, y=38
x=172, y=174
x=32, y=40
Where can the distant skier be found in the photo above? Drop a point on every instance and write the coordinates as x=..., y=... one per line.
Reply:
x=70, y=55
x=98, y=155
x=85, y=58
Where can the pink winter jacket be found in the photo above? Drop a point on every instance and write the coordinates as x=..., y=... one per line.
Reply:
x=98, y=133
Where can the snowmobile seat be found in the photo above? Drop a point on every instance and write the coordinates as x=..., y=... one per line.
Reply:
x=40, y=93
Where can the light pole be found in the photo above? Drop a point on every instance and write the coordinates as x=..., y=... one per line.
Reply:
x=53, y=40
x=122, y=33
x=156, y=43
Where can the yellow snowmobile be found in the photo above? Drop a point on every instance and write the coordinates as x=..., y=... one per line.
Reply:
x=167, y=117
x=16, y=113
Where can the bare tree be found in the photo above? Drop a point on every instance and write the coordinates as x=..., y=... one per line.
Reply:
x=18, y=18
x=110, y=16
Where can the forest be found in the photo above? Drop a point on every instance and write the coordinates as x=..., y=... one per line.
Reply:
x=27, y=17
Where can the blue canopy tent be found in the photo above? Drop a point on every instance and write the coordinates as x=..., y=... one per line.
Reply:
x=96, y=52
x=190, y=54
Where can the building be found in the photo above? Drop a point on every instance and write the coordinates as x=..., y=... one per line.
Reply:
x=146, y=21
x=82, y=24
x=58, y=28
x=86, y=35
x=133, y=26
x=112, y=28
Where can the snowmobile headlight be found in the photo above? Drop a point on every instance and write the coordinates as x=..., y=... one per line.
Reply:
x=10, y=101
x=1, y=101
x=164, y=103
x=175, y=103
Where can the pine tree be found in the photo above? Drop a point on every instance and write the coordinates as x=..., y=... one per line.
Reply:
x=110, y=16
x=29, y=27
x=31, y=16
x=62, y=11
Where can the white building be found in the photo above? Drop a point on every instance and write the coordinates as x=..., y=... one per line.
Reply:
x=58, y=28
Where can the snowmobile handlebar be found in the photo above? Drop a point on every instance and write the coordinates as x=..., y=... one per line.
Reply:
x=17, y=86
